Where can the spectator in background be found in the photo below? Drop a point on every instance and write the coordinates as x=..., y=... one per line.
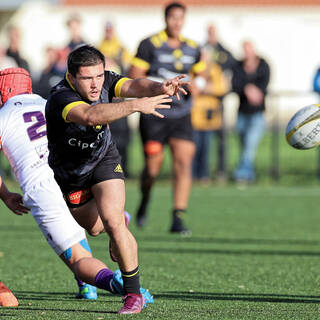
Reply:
x=52, y=74
x=75, y=39
x=13, y=50
x=74, y=27
x=6, y=61
x=316, y=81
x=117, y=56
x=250, y=81
x=118, y=60
x=220, y=56
x=206, y=116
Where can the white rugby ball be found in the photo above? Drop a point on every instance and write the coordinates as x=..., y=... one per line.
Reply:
x=303, y=130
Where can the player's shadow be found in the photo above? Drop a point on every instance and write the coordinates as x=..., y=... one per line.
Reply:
x=207, y=240
x=48, y=296
x=26, y=297
x=25, y=308
x=248, y=297
x=55, y=296
x=198, y=251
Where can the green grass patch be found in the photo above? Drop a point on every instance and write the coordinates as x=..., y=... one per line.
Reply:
x=254, y=254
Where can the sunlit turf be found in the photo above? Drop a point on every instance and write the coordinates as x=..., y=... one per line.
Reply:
x=254, y=254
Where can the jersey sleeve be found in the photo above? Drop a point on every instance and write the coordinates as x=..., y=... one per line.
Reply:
x=143, y=57
x=62, y=102
x=113, y=83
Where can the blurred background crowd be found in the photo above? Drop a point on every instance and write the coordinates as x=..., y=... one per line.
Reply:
x=266, y=44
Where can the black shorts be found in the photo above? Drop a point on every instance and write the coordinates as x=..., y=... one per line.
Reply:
x=161, y=130
x=77, y=191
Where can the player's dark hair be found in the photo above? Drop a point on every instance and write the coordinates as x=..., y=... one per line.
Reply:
x=173, y=5
x=84, y=56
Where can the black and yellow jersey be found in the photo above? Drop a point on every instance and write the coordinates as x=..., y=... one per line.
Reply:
x=163, y=62
x=75, y=149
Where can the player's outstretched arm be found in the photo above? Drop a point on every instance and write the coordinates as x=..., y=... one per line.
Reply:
x=143, y=87
x=12, y=200
x=104, y=113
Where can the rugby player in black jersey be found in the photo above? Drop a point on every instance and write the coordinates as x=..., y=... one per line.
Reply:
x=84, y=159
x=163, y=55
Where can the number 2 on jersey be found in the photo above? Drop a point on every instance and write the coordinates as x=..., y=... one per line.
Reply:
x=37, y=129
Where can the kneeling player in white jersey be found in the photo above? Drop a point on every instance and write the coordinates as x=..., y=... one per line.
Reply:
x=23, y=141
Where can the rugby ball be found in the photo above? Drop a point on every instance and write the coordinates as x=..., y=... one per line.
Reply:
x=303, y=129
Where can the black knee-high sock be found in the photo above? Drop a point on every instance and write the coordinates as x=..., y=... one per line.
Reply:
x=131, y=281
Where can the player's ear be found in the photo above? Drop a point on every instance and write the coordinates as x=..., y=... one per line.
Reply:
x=70, y=78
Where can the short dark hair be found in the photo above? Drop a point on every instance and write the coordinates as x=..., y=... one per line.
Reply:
x=173, y=5
x=84, y=56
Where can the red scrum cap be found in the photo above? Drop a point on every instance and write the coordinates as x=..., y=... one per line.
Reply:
x=14, y=81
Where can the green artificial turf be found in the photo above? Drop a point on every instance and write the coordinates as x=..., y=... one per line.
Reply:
x=254, y=254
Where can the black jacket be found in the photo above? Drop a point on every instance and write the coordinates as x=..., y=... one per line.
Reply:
x=259, y=78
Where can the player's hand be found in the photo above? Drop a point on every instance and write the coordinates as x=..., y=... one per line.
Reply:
x=173, y=87
x=149, y=105
x=14, y=202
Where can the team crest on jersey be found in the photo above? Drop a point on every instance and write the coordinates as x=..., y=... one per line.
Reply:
x=97, y=128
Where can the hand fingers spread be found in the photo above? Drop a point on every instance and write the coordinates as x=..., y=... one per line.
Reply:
x=183, y=91
x=178, y=95
x=181, y=76
x=161, y=96
x=163, y=101
x=162, y=106
x=157, y=114
x=22, y=208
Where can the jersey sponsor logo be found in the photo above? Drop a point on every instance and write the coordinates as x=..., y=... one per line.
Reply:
x=42, y=151
x=168, y=58
x=79, y=197
x=73, y=142
x=118, y=169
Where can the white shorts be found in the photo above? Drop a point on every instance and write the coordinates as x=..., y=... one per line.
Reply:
x=52, y=215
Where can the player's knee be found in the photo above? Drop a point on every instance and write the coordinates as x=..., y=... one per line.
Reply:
x=96, y=229
x=152, y=148
x=114, y=226
x=95, y=232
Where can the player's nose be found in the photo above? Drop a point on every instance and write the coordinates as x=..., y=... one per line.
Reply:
x=94, y=83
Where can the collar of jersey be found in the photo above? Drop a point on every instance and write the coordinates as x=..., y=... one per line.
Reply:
x=164, y=36
x=71, y=86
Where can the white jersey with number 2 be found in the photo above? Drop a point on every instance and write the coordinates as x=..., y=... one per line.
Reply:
x=24, y=142
x=23, y=138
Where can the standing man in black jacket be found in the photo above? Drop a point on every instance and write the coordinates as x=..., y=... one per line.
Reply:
x=250, y=80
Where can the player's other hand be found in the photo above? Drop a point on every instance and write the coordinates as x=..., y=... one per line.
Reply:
x=14, y=202
x=174, y=86
x=149, y=105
